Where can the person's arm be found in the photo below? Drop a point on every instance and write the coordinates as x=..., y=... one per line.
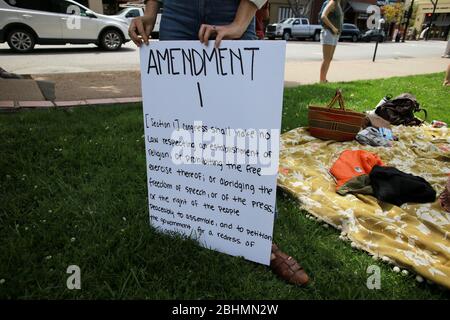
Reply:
x=330, y=6
x=141, y=27
x=244, y=15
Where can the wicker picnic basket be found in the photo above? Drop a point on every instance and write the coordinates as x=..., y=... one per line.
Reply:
x=330, y=123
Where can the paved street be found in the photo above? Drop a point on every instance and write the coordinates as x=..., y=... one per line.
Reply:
x=307, y=51
x=71, y=58
x=85, y=72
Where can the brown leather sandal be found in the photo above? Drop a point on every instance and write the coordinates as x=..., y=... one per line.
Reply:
x=287, y=268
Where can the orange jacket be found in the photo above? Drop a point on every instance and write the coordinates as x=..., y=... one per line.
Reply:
x=353, y=163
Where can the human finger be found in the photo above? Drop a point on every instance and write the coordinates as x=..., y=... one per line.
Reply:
x=133, y=35
x=220, y=35
x=209, y=31
x=205, y=32
x=201, y=32
x=141, y=30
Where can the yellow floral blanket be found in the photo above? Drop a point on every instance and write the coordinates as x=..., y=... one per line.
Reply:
x=415, y=236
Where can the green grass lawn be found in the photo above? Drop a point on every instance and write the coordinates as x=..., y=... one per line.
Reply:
x=73, y=191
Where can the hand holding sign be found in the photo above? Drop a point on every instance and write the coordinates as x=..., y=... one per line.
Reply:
x=231, y=31
x=238, y=22
x=140, y=29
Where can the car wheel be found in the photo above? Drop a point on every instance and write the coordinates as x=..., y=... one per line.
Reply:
x=21, y=40
x=287, y=35
x=354, y=38
x=271, y=38
x=111, y=40
x=381, y=39
x=317, y=36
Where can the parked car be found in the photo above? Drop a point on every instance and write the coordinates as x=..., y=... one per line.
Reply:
x=374, y=34
x=293, y=28
x=25, y=23
x=129, y=13
x=350, y=32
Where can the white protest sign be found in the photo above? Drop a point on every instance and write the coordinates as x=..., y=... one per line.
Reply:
x=212, y=122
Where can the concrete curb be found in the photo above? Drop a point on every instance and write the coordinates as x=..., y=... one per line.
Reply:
x=9, y=105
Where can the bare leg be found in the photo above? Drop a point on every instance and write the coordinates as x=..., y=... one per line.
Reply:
x=328, y=52
x=447, y=50
x=332, y=52
x=447, y=77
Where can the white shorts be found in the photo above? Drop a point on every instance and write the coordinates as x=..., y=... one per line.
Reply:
x=328, y=37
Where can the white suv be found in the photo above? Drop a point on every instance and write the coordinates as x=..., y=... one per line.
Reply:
x=25, y=23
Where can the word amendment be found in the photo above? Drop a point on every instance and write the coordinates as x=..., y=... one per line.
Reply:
x=193, y=62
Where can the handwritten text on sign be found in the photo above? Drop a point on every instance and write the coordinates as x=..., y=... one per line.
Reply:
x=212, y=120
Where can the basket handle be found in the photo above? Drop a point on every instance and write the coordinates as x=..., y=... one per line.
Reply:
x=337, y=98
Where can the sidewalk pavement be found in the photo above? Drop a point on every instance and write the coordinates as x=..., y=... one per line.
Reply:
x=115, y=87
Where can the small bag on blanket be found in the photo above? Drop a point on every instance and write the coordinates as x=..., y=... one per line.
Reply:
x=400, y=111
x=329, y=123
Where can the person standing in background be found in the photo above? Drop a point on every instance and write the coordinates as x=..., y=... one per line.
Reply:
x=332, y=18
x=204, y=20
x=260, y=17
x=447, y=72
x=447, y=49
x=200, y=19
x=447, y=77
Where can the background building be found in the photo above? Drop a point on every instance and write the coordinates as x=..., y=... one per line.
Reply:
x=282, y=9
x=355, y=12
x=441, y=19
x=94, y=5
